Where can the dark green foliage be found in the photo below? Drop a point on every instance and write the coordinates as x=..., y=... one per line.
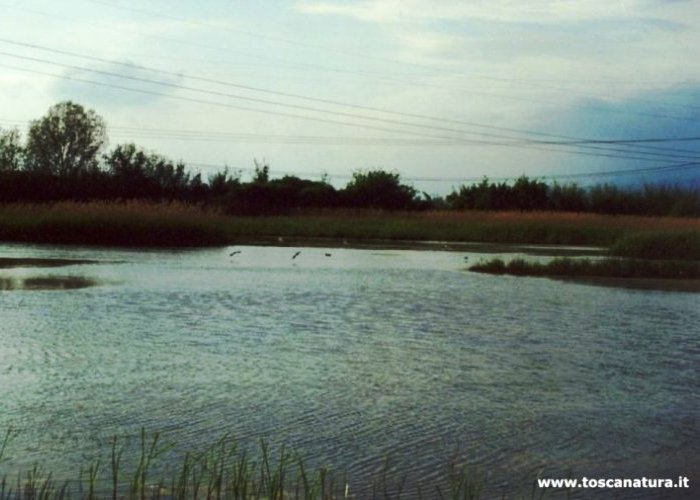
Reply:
x=529, y=194
x=277, y=196
x=11, y=151
x=378, y=189
x=61, y=161
x=136, y=173
x=262, y=172
x=524, y=194
x=222, y=183
x=66, y=142
x=567, y=198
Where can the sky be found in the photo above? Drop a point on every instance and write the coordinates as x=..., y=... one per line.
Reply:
x=442, y=92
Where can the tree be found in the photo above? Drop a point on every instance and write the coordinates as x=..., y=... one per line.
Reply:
x=223, y=182
x=10, y=150
x=139, y=174
x=379, y=189
x=66, y=142
x=530, y=194
x=262, y=172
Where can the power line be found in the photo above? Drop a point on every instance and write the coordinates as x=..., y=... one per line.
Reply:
x=214, y=103
x=569, y=140
x=364, y=55
x=580, y=175
x=619, y=172
x=182, y=133
x=531, y=143
x=502, y=96
x=219, y=136
x=292, y=95
x=525, y=145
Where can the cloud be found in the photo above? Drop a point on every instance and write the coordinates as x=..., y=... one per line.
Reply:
x=109, y=81
x=505, y=30
x=537, y=11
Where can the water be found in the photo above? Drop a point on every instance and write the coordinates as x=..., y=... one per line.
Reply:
x=348, y=358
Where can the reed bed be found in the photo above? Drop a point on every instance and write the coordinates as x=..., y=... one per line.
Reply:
x=221, y=471
x=472, y=226
x=179, y=224
x=663, y=245
x=112, y=224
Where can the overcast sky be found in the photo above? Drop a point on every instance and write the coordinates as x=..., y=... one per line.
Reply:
x=439, y=91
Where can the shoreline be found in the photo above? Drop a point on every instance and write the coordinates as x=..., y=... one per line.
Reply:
x=430, y=245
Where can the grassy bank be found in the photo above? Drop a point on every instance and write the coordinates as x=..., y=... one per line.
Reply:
x=488, y=227
x=112, y=224
x=175, y=224
x=604, y=268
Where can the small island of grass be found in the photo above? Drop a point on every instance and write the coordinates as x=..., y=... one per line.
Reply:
x=660, y=255
x=605, y=268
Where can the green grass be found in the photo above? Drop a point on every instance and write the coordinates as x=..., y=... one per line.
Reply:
x=604, y=268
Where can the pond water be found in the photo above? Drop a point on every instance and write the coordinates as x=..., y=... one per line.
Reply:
x=349, y=358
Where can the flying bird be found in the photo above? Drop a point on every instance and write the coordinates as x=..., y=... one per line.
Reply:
x=327, y=254
x=296, y=255
x=235, y=252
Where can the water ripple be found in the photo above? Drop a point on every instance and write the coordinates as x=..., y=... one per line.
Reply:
x=353, y=360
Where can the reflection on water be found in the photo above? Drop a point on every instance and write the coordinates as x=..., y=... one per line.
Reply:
x=349, y=358
x=46, y=283
x=12, y=262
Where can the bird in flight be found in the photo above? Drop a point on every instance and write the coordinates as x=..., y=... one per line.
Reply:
x=327, y=255
x=296, y=255
x=235, y=252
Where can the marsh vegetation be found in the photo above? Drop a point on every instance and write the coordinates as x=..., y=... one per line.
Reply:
x=222, y=470
x=663, y=255
x=606, y=268
x=179, y=224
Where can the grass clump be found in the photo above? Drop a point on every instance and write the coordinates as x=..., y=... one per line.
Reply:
x=604, y=268
x=665, y=245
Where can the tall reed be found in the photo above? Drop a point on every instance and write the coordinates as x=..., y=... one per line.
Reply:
x=178, y=224
x=222, y=470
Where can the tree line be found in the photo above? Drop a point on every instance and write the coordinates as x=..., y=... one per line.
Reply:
x=64, y=157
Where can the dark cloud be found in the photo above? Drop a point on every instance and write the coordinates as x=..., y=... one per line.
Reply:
x=672, y=113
